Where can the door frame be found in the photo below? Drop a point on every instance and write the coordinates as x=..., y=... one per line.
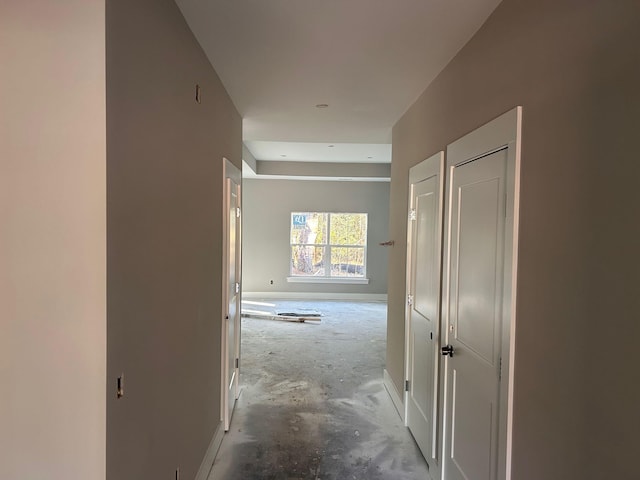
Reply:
x=424, y=170
x=230, y=171
x=502, y=132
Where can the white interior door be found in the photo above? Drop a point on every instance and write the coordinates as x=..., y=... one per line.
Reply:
x=477, y=313
x=231, y=323
x=474, y=317
x=423, y=306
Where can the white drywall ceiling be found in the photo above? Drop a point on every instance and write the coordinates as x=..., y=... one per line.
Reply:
x=367, y=59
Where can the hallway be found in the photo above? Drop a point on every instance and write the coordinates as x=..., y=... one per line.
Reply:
x=313, y=405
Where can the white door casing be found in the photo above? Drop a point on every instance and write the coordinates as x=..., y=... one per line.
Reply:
x=478, y=314
x=231, y=291
x=424, y=238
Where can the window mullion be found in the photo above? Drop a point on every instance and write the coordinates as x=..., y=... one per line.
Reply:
x=327, y=256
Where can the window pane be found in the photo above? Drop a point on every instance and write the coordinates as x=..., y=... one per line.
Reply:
x=308, y=227
x=347, y=262
x=348, y=229
x=307, y=260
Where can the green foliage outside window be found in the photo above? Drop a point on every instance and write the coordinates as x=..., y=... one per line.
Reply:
x=344, y=255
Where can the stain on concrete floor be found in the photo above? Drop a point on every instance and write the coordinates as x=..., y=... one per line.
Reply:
x=313, y=405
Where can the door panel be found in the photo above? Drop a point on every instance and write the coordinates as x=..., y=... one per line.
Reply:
x=425, y=292
x=232, y=297
x=475, y=293
x=423, y=282
x=231, y=294
x=472, y=420
x=475, y=319
x=422, y=311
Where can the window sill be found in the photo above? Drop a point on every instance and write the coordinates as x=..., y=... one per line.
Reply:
x=344, y=280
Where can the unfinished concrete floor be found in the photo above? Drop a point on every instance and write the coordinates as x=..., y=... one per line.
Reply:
x=313, y=405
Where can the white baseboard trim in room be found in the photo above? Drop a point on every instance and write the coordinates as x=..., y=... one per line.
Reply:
x=396, y=398
x=368, y=297
x=210, y=455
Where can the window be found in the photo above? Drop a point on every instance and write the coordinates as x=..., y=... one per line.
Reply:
x=328, y=245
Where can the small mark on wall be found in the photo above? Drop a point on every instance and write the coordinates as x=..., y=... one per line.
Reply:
x=120, y=386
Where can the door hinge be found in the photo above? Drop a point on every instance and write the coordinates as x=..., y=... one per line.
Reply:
x=237, y=363
x=237, y=287
x=409, y=299
x=500, y=370
x=238, y=212
x=406, y=385
x=412, y=214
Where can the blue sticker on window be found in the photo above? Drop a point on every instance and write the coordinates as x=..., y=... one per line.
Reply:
x=299, y=220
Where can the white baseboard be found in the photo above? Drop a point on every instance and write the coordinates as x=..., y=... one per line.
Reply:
x=370, y=297
x=210, y=455
x=396, y=398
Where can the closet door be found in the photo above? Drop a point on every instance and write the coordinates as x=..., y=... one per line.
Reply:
x=231, y=295
x=476, y=247
x=478, y=305
x=423, y=306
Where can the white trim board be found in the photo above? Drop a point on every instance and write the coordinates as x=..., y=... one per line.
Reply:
x=336, y=280
x=211, y=453
x=393, y=393
x=367, y=297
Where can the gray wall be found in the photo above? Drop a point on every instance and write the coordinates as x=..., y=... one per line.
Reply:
x=325, y=169
x=52, y=240
x=164, y=243
x=574, y=66
x=266, y=224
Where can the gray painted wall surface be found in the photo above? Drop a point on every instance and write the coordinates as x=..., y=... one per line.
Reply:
x=266, y=227
x=164, y=171
x=52, y=240
x=319, y=169
x=574, y=66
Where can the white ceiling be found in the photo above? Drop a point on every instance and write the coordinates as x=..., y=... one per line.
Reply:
x=367, y=59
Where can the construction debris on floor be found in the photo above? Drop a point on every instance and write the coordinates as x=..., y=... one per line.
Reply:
x=269, y=311
x=313, y=405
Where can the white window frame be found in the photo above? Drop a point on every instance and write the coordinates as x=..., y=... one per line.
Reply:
x=327, y=277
